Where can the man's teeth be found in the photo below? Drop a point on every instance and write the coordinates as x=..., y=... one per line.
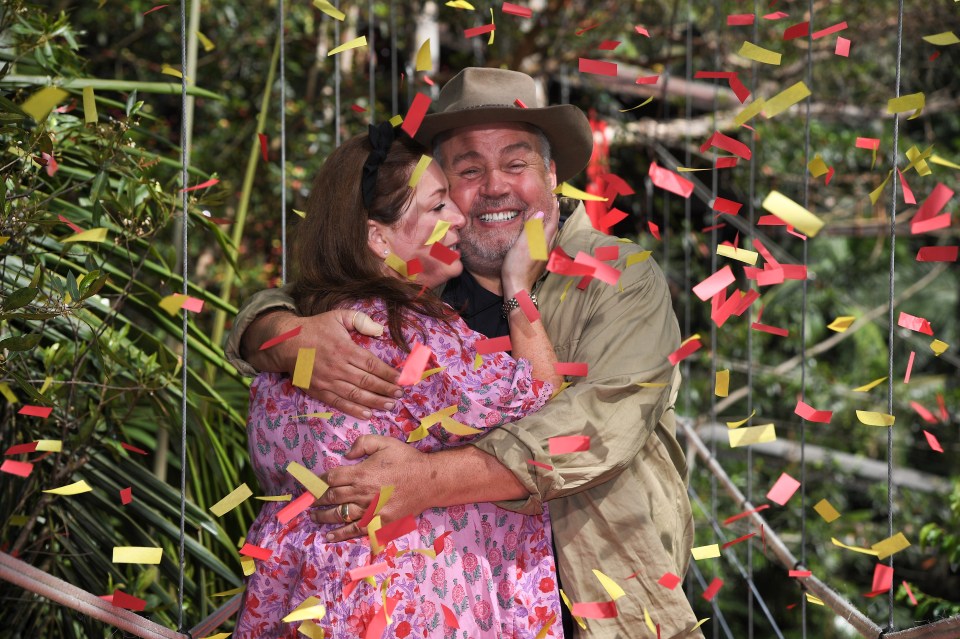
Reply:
x=501, y=216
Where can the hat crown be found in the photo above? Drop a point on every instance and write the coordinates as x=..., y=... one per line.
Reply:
x=476, y=87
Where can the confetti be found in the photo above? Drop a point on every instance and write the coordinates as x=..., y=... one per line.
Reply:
x=752, y=435
x=669, y=580
x=810, y=414
x=18, y=468
x=785, y=99
x=71, y=489
x=705, y=552
x=416, y=112
x=871, y=418
x=303, y=369
x=36, y=411
x=938, y=254
x=137, y=555
x=346, y=46
x=598, y=67
x=826, y=510
x=270, y=343
x=722, y=384
x=792, y=213
x=256, y=552
x=39, y=105
x=756, y=53
x=571, y=369
x=121, y=599
x=783, y=489
x=713, y=589
x=568, y=444
x=687, y=348
x=911, y=102
x=309, y=608
x=670, y=181
x=890, y=545
x=932, y=441
x=236, y=497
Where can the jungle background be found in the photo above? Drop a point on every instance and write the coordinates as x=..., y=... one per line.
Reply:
x=81, y=331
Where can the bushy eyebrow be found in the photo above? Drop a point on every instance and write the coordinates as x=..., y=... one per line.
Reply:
x=507, y=150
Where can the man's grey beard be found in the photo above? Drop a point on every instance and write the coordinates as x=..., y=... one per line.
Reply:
x=482, y=258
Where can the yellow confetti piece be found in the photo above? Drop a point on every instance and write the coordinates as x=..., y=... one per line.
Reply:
x=492, y=33
x=172, y=303
x=869, y=385
x=248, y=566
x=8, y=394
x=562, y=388
x=346, y=46
x=942, y=39
x=207, y=43
x=699, y=623
x=642, y=104
x=918, y=160
x=792, y=213
x=647, y=620
x=274, y=497
x=652, y=384
x=375, y=524
x=417, y=434
x=785, y=99
x=90, y=235
x=397, y=264
x=636, y=258
x=75, y=488
x=689, y=339
x=741, y=422
x=236, y=497
x=687, y=169
x=936, y=159
x=477, y=362
x=438, y=232
x=721, y=387
x=432, y=371
x=890, y=545
x=418, y=172
x=573, y=192
x=739, y=254
x=875, y=194
x=385, y=494
x=612, y=587
x=311, y=630
x=546, y=627
x=817, y=166
x=310, y=481
x=310, y=608
x=705, y=552
x=436, y=417
x=749, y=112
x=322, y=415
x=49, y=446
x=814, y=599
x=753, y=52
x=89, y=106
x=219, y=635
x=18, y=520
x=302, y=214
x=460, y=4
x=137, y=555
x=168, y=70
x=329, y=9
x=911, y=102
x=228, y=593
x=826, y=510
x=752, y=435
x=872, y=418
x=303, y=370
x=426, y=552
x=536, y=239
x=938, y=347
x=863, y=551
x=453, y=426
x=39, y=105
x=841, y=323
x=396, y=120
x=566, y=601
x=566, y=288
x=424, y=59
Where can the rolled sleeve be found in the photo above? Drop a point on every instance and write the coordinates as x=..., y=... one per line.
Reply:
x=272, y=299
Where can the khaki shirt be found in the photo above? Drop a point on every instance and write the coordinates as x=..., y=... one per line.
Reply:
x=621, y=507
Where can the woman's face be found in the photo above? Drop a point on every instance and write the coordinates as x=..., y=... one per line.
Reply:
x=407, y=239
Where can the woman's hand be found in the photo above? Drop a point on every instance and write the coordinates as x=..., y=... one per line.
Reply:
x=520, y=271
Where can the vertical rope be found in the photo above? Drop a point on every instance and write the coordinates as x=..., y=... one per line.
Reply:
x=394, y=89
x=372, y=21
x=184, y=271
x=714, y=184
x=803, y=324
x=336, y=81
x=283, y=145
x=687, y=205
x=893, y=246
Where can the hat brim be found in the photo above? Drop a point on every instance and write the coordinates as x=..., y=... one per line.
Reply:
x=566, y=127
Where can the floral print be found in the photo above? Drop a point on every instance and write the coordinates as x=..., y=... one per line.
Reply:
x=494, y=574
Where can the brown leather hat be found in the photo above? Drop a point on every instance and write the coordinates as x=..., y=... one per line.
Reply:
x=479, y=95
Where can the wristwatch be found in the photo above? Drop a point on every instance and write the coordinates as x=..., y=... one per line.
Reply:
x=512, y=303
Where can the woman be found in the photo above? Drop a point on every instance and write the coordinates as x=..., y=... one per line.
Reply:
x=465, y=571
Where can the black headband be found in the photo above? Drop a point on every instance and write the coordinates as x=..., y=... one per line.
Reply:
x=381, y=138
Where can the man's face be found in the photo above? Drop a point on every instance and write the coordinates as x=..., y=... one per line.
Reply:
x=498, y=179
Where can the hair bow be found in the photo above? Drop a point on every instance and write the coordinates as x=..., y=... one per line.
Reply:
x=381, y=138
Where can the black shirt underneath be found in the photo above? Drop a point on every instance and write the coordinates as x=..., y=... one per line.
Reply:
x=478, y=307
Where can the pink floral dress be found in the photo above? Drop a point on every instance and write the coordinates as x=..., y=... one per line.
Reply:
x=493, y=573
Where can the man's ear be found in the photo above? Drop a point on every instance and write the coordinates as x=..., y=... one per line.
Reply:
x=553, y=175
x=377, y=239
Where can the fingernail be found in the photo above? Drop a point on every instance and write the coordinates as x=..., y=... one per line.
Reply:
x=538, y=215
x=366, y=414
x=398, y=392
x=329, y=536
x=389, y=405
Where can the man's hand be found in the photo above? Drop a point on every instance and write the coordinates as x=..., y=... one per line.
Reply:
x=345, y=376
x=389, y=462
x=520, y=271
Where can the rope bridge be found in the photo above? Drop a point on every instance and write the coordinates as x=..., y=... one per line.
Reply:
x=700, y=454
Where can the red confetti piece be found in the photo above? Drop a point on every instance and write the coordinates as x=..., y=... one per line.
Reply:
x=609, y=45
x=882, y=578
x=932, y=224
x=642, y=31
x=449, y=619
x=73, y=227
x=868, y=143
x=934, y=56
x=829, y=177
x=520, y=103
x=533, y=462
x=149, y=11
x=571, y=369
x=603, y=272
x=263, y=146
x=777, y=15
x=714, y=283
x=270, y=343
x=594, y=610
x=132, y=449
x=932, y=441
x=415, y=364
x=370, y=512
x=738, y=540
x=202, y=185
x=908, y=196
x=611, y=219
x=783, y=489
x=843, y=47
x=670, y=181
x=516, y=10
x=810, y=414
x=51, y=163
x=726, y=163
x=598, y=67
x=36, y=411
x=126, y=495
x=438, y=542
x=395, y=529
x=607, y=253
x=21, y=469
x=907, y=588
x=795, y=31
x=773, y=330
x=475, y=31
x=926, y=415
x=568, y=444
x=249, y=550
x=713, y=589
x=746, y=513
x=723, y=205
x=726, y=143
x=20, y=449
x=493, y=345
x=416, y=112
x=669, y=580
x=799, y=573
x=414, y=267
x=832, y=29
x=740, y=19
x=914, y=323
x=932, y=205
x=357, y=108
x=684, y=351
x=427, y=79
x=192, y=304
x=654, y=229
x=527, y=306
x=906, y=375
x=123, y=600
x=295, y=507
x=443, y=253
x=944, y=415
x=648, y=79
x=367, y=571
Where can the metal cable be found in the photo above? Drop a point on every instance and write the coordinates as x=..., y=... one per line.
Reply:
x=371, y=22
x=751, y=215
x=394, y=89
x=695, y=572
x=184, y=272
x=892, y=325
x=336, y=81
x=283, y=145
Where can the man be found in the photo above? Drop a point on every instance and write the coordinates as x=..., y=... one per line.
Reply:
x=620, y=507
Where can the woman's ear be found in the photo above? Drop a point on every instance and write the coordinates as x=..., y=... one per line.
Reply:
x=376, y=239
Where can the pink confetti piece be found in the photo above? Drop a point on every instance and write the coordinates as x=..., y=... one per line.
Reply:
x=493, y=345
x=740, y=19
x=36, y=411
x=840, y=26
x=810, y=414
x=126, y=495
x=449, y=619
x=594, y=610
x=520, y=103
x=414, y=365
x=908, y=196
x=932, y=205
x=932, y=441
x=715, y=283
x=19, y=468
x=669, y=580
x=598, y=67
x=516, y=10
x=670, y=181
x=192, y=304
x=534, y=462
x=914, y=323
x=868, y=143
x=73, y=227
x=882, y=578
x=415, y=114
x=906, y=375
x=249, y=550
x=156, y=8
x=684, y=351
x=773, y=330
x=713, y=589
x=642, y=31
x=843, y=47
x=776, y=15
x=648, y=79
x=906, y=586
x=799, y=573
x=783, y=489
x=568, y=444
x=395, y=529
x=654, y=229
x=50, y=163
x=571, y=369
x=270, y=343
x=295, y=507
x=925, y=414
x=603, y=272
x=367, y=571
x=476, y=31
x=725, y=142
x=527, y=306
x=607, y=253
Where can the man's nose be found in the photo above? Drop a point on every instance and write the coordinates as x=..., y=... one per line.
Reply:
x=494, y=184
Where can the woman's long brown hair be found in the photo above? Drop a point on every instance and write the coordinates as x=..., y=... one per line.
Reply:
x=333, y=260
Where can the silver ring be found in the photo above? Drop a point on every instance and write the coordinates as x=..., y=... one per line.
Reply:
x=344, y=511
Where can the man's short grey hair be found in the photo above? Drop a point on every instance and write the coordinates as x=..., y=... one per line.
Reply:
x=443, y=136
